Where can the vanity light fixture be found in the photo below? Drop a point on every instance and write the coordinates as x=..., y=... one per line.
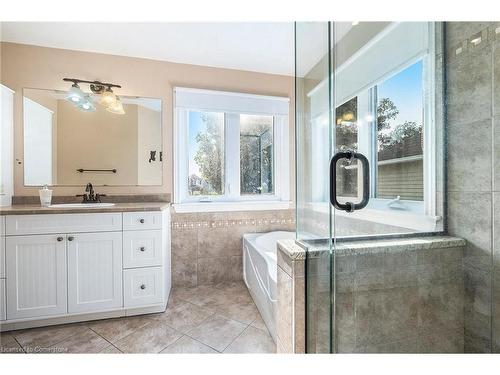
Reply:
x=116, y=108
x=85, y=102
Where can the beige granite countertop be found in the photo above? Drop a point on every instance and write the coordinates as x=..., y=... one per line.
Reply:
x=33, y=209
x=296, y=252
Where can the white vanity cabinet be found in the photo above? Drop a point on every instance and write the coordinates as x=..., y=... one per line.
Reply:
x=94, y=271
x=75, y=267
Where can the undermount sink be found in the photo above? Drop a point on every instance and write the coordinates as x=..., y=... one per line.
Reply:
x=81, y=205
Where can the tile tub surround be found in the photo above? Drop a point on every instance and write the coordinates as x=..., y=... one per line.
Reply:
x=395, y=295
x=207, y=247
x=196, y=321
x=473, y=135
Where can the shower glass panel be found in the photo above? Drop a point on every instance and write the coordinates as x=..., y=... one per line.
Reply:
x=369, y=126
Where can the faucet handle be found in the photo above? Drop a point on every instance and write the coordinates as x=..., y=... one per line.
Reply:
x=98, y=197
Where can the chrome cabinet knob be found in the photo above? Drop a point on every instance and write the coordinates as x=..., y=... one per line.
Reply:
x=71, y=238
x=141, y=221
x=142, y=248
x=59, y=239
x=143, y=286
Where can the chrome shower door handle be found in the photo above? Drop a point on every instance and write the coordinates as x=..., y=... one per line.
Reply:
x=349, y=206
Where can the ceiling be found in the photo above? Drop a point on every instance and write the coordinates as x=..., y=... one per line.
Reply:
x=255, y=46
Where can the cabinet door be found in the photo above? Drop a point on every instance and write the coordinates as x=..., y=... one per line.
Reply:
x=94, y=271
x=35, y=276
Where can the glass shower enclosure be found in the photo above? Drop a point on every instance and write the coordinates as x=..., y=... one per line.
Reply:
x=370, y=178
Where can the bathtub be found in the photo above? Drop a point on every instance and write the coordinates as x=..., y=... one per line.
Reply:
x=260, y=270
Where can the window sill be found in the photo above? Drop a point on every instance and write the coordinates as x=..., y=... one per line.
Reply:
x=379, y=215
x=232, y=206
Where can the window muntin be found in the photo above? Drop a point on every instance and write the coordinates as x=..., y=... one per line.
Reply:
x=256, y=155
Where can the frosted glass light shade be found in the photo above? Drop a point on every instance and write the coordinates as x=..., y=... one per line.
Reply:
x=108, y=98
x=87, y=105
x=116, y=108
x=75, y=95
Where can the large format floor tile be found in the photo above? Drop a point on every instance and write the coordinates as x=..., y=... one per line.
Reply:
x=217, y=332
x=116, y=329
x=187, y=345
x=85, y=342
x=45, y=337
x=183, y=316
x=9, y=345
x=152, y=338
x=252, y=340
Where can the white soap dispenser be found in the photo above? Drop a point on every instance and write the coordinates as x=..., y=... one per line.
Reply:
x=45, y=196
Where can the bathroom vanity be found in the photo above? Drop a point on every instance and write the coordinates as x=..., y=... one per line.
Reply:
x=61, y=265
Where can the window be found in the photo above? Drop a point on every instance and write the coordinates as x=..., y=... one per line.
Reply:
x=386, y=123
x=230, y=147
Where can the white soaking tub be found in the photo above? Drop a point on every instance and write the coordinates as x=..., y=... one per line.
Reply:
x=260, y=270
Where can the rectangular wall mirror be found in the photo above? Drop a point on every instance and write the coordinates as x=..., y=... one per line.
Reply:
x=65, y=145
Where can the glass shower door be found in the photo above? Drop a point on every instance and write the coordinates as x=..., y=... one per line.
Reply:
x=369, y=139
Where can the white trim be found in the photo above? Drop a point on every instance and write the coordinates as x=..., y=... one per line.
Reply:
x=232, y=206
x=230, y=102
x=405, y=219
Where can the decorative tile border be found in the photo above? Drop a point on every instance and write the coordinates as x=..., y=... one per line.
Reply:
x=230, y=223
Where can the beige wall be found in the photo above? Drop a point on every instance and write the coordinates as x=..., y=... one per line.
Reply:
x=83, y=140
x=40, y=67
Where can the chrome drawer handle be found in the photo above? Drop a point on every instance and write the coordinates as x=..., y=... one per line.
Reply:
x=141, y=221
x=142, y=248
x=143, y=286
x=71, y=238
x=59, y=239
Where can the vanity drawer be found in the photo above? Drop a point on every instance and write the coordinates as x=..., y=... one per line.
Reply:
x=142, y=248
x=63, y=223
x=3, y=310
x=143, y=286
x=141, y=220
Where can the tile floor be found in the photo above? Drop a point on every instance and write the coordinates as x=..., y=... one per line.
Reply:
x=207, y=319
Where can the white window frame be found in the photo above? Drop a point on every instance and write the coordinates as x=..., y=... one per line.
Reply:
x=232, y=105
x=367, y=143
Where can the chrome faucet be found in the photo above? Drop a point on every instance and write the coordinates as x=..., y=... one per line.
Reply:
x=90, y=196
